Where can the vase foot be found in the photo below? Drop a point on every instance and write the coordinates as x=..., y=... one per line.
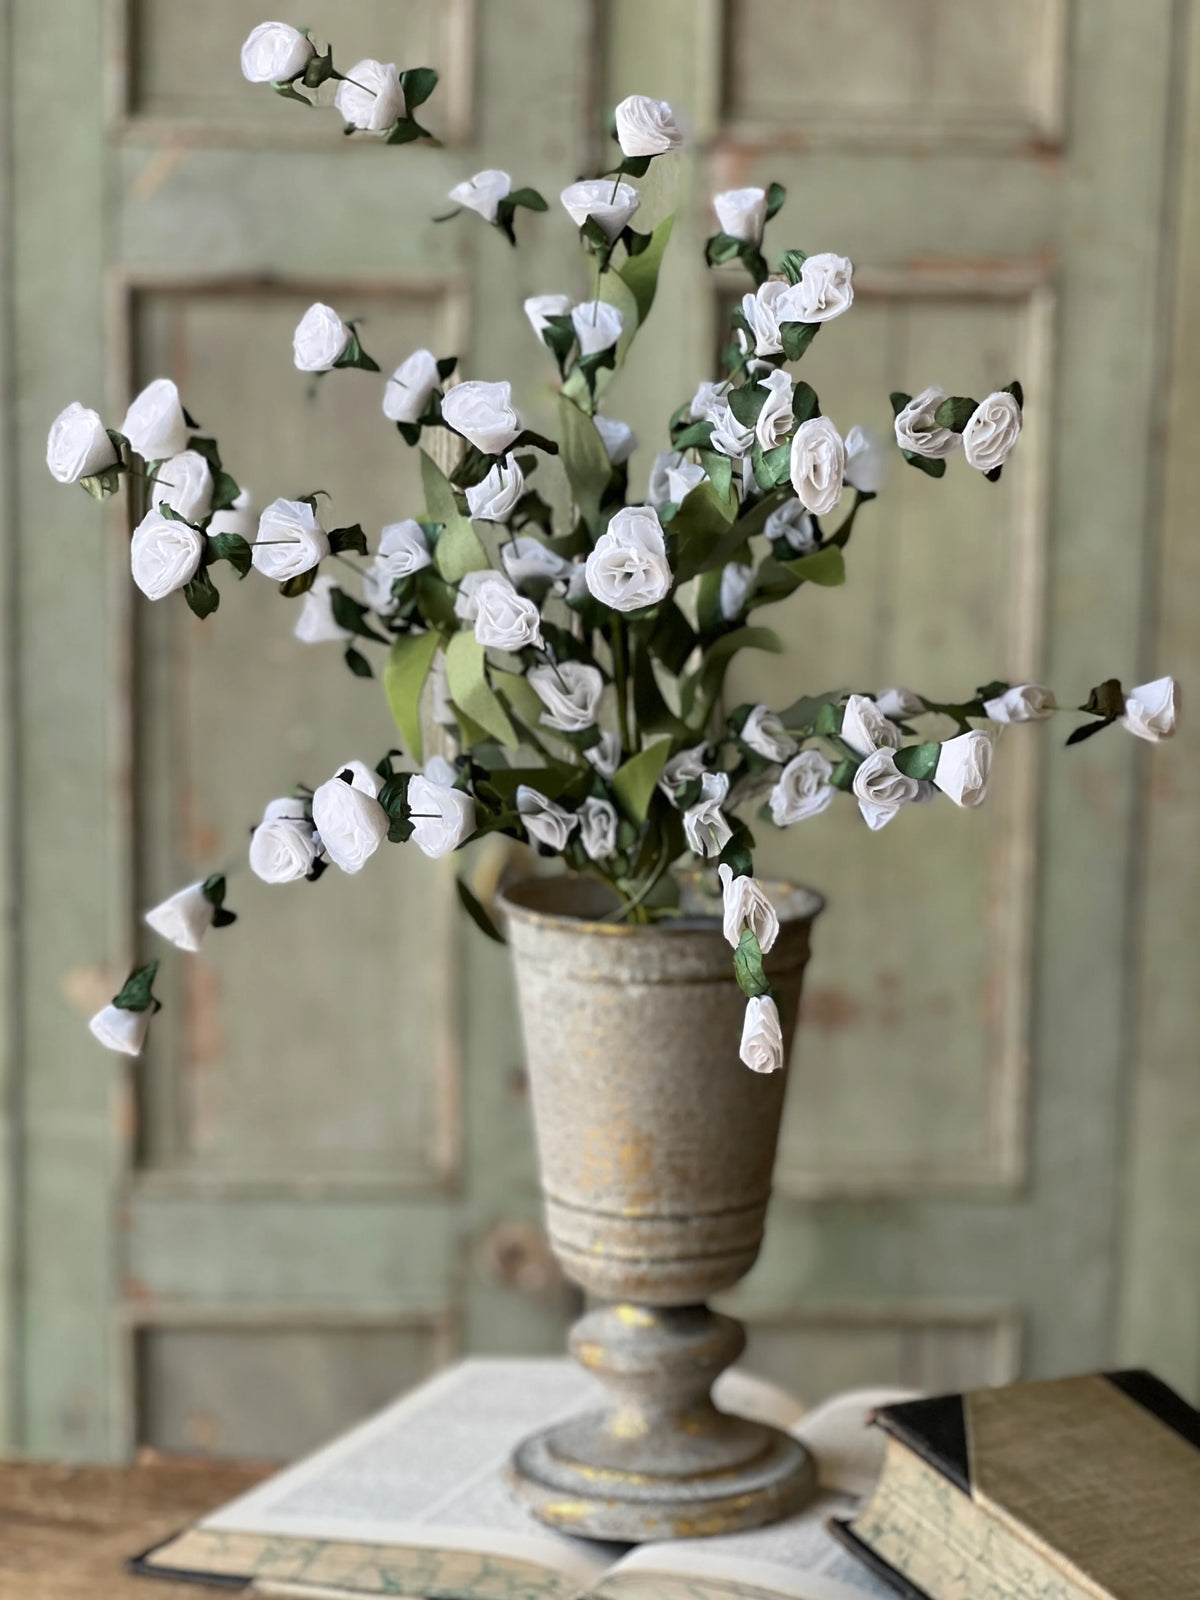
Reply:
x=662, y=1462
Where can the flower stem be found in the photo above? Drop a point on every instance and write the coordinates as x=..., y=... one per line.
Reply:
x=621, y=679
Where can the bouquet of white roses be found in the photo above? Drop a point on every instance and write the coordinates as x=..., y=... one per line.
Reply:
x=576, y=663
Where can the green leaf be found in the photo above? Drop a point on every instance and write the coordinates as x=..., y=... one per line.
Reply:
x=698, y=529
x=137, y=991
x=477, y=914
x=747, y=965
x=286, y=92
x=640, y=273
x=300, y=584
x=826, y=567
x=354, y=355
x=634, y=782
x=100, y=485
x=796, y=337
x=653, y=713
x=719, y=468
x=1106, y=700
x=919, y=760
x=746, y=401
x=720, y=248
x=418, y=83
x=805, y=404
x=404, y=677
x=673, y=639
x=1087, y=730
x=791, y=264
x=704, y=686
x=899, y=400
x=695, y=434
x=213, y=889
x=458, y=550
x=1018, y=393
x=233, y=548
x=776, y=195
x=358, y=663
x=927, y=464
x=955, y=412
x=466, y=677
x=201, y=594
x=353, y=538
x=585, y=459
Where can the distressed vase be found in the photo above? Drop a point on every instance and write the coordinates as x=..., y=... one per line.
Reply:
x=656, y=1147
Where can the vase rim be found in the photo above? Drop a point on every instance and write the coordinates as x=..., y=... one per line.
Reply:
x=545, y=902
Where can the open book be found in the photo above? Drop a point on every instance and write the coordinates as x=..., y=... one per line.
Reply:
x=413, y=1502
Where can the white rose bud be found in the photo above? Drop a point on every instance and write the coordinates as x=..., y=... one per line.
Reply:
x=775, y=420
x=289, y=541
x=899, y=703
x=544, y=821
x=881, y=788
x=403, y=550
x=526, y=559
x=963, y=768
x=184, y=918
x=866, y=462
x=408, y=390
x=736, y=582
x=442, y=816
x=605, y=756
x=120, y=1030
x=658, y=489
x=918, y=433
x=374, y=100
x=742, y=213
x=803, y=790
x=683, y=768
x=682, y=480
x=991, y=432
x=611, y=205
x=792, y=523
x=818, y=465
x=78, y=446
x=570, y=692
x=284, y=845
x=319, y=339
x=185, y=483
x=597, y=326
x=1151, y=708
x=747, y=906
x=729, y=436
x=598, y=828
x=618, y=438
x=238, y=518
x=504, y=619
x=154, y=424
x=316, y=623
x=708, y=399
x=771, y=303
x=628, y=568
x=351, y=822
x=483, y=193
x=762, y=1035
x=646, y=127
x=275, y=53
x=164, y=555
x=866, y=728
x=826, y=288
x=705, y=825
x=765, y=734
x=539, y=308
x=494, y=498
x=483, y=413
x=1024, y=702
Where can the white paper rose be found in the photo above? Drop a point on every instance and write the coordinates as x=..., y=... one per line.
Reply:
x=682, y=480
x=289, y=540
x=826, y=288
x=612, y=205
x=818, y=465
x=963, y=768
x=284, y=845
x=745, y=905
x=866, y=728
x=442, y=816
x=374, y=100
x=646, y=127
x=544, y=821
x=316, y=623
x=494, y=498
x=605, y=756
x=775, y=420
x=239, y=518
x=526, y=559
x=484, y=414
x=403, y=550
x=737, y=579
x=183, y=918
x=1024, y=702
x=1151, y=708
x=618, y=438
x=792, y=523
x=597, y=326
x=539, y=308
x=762, y=1035
x=351, y=822
x=570, y=692
x=918, y=433
x=483, y=193
x=708, y=400
x=598, y=828
x=742, y=213
x=164, y=555
x=772, y=303
x=319, y=339
x=729, y=436
x=803, y=789
x=185, y=483
x=407, y=392
x=504, y=619
x=991, y=432
x=120, y=1030
x=866, y=461
x=683, y=768
x=657, y=488
x=78, y=445
x=155, y=424
x=899, y=703
x=705, y=826
x=274, y=52
x=628, y=568
x=766, y=736
x=881, y=788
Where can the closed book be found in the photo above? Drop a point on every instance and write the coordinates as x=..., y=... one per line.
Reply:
x=1084, y=1488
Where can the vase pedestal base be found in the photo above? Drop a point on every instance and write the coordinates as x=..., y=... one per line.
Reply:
x=662, y=1462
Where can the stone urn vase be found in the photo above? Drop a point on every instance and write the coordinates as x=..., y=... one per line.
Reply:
x=656, y=1148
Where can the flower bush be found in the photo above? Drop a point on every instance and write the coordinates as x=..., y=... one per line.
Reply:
x=577, y=665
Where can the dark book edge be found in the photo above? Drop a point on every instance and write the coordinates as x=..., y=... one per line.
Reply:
x=845, y=1535
x=1160, y=1400
x=934, y=1429
x=144, y=1566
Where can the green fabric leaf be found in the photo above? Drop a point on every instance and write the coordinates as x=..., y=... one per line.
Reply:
x=791, y=264
x=698, y=528
x=748, y=967
x=898, y=400
x=720, y=471
x=466, y=676
x=796, y=337
x=343, y=539
x=919, y=760
x=673, y=639
x=653, y=713
x=805, y=404
x=703, y=687
x=746, y=401
x=233, y=548
x=826, y=567
x=927, y=464
x=696, y=433
x=458, y=550
x=358, y=663
x=136, y=993
x=634, y=782
x=354, y=355
x=404, y=676
x=290, y=588
x=351, y=614
x=640, y=272
x=477, y=914
x=585, y=459
x=201, y=594
x=955, y=412
x=776, y=195
x=521, y=699
x=1017, y=391
x=720, y=248
x=418, y=83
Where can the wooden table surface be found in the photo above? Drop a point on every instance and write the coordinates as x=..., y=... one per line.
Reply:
x=66, y=1532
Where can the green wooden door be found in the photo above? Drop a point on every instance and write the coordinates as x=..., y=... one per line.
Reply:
x=320, y=1183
